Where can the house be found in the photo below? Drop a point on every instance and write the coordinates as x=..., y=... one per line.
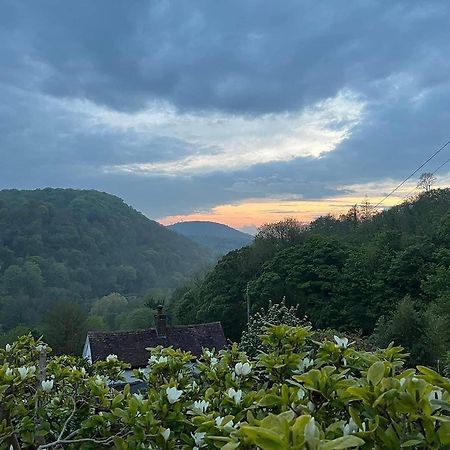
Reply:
x=130, y=346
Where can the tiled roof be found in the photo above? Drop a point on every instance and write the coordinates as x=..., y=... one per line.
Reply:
x=129, y=346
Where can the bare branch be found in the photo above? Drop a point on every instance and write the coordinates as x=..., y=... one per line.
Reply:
x=68, y=419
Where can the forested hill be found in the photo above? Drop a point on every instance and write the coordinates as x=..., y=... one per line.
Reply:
x=64, y=243
x=218, y=237
x=342, y=272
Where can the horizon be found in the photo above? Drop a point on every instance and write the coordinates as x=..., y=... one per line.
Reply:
x=240, y=114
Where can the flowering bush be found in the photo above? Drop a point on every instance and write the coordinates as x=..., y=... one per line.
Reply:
x=274, y=314
x=299, y=394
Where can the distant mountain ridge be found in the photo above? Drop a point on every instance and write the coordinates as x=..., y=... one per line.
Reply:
x=218, y=237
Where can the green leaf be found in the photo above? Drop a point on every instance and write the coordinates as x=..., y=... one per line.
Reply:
x=412, y=443
x=263, y=438
x=230, y=446
x=343, y=442
x=270, y=400
x=375, y=373
x=444, y=433
x=385, y=396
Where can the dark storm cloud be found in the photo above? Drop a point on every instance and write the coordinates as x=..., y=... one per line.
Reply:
x=247, y=56
x=236, y=57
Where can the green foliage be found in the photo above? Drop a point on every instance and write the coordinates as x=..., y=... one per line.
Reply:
x=65, y=328
x=299, y=394
x=275, y=314
x=343, y=273
x=65, y=245
x=424, y=334
x=109, y=308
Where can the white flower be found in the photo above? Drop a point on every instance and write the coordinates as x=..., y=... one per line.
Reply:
x=47, y=385
x=435, y=395
x=341, y=342
x=166, y=434
x=301, y=394
x=305, y=364
x=9, y=372
x=214, y=361
x=219, y=421
x=157, y=359
x=98, y=380
x=200, y=407
x=8, y=347
x=111, y=358
x=23, y=372
x=350, y=427
x=40, y=347
x=235, y=395
x=199, y=438
x=139, y=397
x=242, y=369
x=173, y=394
x=83, y=371
x=229, y=425
x=208, y=353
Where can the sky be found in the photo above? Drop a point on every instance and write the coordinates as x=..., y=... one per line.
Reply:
x=242, y=112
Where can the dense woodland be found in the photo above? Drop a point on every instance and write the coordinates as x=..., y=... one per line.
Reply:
x=78, y=260
x=72, y=259
x=361, y=272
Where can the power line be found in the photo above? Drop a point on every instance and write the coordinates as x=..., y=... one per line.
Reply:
x=436, y=170
x=412, y=174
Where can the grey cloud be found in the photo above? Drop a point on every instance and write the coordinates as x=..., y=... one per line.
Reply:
x=251, y=56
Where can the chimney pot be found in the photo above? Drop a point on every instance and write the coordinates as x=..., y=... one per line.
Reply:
x=161, y=322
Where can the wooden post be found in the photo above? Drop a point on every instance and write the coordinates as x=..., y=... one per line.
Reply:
x=42, y=364
x=42, y=375
x=247, y=297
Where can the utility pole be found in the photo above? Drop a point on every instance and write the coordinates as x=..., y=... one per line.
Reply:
x=247, y=298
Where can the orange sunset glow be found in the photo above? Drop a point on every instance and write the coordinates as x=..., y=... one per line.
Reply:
x=254, y=213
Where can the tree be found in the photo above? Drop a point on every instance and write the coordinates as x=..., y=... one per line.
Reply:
x=65, y=328
x=351, y=216
x=126, y=276
x=32, y=278
x=426, y=181
x=13, y=279
x=275, y=314
x=138, y=319
x=110, y=307
x=408, y=327
x=300, y=394
x=287, y=231
x=366, y=209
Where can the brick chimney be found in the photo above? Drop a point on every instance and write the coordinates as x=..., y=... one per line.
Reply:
x=160, y=322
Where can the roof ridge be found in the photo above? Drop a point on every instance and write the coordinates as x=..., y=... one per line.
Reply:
x=145, y=330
